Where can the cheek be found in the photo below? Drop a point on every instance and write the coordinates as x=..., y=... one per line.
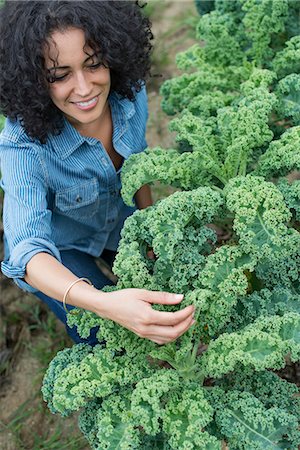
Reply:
x=104, y=77
x=57, y=94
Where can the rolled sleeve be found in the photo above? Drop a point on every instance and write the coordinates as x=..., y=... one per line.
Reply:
x=26, y=218
x=15, y=266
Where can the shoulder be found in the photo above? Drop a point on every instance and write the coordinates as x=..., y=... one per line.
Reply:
x=141, y=96
x=139, y=104
x=141, y=101
x=18, y=152
x=14, y=133
x=14, y=139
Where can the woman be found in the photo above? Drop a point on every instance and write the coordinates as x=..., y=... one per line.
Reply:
x=72, y=78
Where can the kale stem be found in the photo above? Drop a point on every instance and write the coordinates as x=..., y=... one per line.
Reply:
x=216, y=188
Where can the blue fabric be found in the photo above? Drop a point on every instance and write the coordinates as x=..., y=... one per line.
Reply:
x=65, y=194
x=82, y=265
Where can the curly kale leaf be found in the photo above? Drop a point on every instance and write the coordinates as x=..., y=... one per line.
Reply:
x=149, y=398
x=287, y=61
x=200, y=136
x=247, y=423
x=261, y=304
x=267, y=387
x=261, y=345
x=179, y=93
x=192, y=57
x=260, y=214
x=169, y=167
x=220, y=283
x=94, y=376
x=262, y=20
x=186, y=414
x=225, y=276
x=63, y=359
x=288, y=92
x=282, y=156
x=244, y=127
x=108, y=426
x=161, y=404
x=87, y=422
x=272, y=391
x=225, y=144
x=175, y=229
x=97, y=375
x=216, y=28
x=282, y=267
x=259, y=78
x=222, y=146
x=261, y=222
x=291, y=194
x=156, y=412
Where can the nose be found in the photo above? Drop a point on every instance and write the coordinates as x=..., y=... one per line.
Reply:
x=82, y=85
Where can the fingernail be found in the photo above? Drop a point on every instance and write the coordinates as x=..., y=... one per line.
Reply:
x=193, y=322
x=179, y=296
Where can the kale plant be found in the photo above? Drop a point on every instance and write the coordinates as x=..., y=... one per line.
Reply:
x=235, y=169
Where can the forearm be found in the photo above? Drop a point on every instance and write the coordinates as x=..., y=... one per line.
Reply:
x=130, y=308
x=143, y=197
x=48, y=275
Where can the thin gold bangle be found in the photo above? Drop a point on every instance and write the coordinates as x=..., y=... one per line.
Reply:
x=68, y=290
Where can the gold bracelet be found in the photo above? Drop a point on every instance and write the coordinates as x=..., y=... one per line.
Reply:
x=68, y=290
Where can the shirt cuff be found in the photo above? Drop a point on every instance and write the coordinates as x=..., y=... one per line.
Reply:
x=15, y=266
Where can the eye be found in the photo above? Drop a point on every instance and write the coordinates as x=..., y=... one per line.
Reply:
x=55, y=78
x=95, y=66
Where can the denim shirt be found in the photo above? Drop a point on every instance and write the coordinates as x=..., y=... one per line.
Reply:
x=65, y=194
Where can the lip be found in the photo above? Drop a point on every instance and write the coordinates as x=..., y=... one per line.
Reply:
x=89, y=106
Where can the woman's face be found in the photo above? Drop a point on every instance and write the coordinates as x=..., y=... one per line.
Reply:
x=81, y=84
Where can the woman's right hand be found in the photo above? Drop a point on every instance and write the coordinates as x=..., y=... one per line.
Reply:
x=132, y=308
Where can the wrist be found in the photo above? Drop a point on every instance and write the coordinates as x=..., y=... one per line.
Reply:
x=85, y=296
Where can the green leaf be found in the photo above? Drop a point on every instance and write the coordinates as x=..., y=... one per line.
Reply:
x=247, y=423
x=282, y=155
x=149, y=397
x=288, y=92
x=260, y=214
x=109, y=425
x=263, y=344
x=186, y=414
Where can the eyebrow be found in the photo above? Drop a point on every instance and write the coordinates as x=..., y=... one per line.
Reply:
x=54, y=68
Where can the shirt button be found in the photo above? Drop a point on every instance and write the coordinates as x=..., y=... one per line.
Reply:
x=78, y=199
x=104, y=162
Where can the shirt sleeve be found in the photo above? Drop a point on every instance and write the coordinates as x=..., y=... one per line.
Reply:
x=143, y=112
x=26, y=217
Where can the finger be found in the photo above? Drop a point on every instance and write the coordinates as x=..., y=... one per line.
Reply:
x=168, y=334
x=162, y=298
x=171, y=318
x=167, y=340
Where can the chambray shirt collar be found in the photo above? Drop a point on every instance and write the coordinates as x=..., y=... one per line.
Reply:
x=66, y=143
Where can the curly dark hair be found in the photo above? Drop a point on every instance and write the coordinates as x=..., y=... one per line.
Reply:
x=118, y=28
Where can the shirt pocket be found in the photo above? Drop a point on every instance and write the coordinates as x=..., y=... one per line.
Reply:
x=80, y=201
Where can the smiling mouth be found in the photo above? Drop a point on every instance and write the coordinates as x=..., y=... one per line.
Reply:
x=88, y=104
